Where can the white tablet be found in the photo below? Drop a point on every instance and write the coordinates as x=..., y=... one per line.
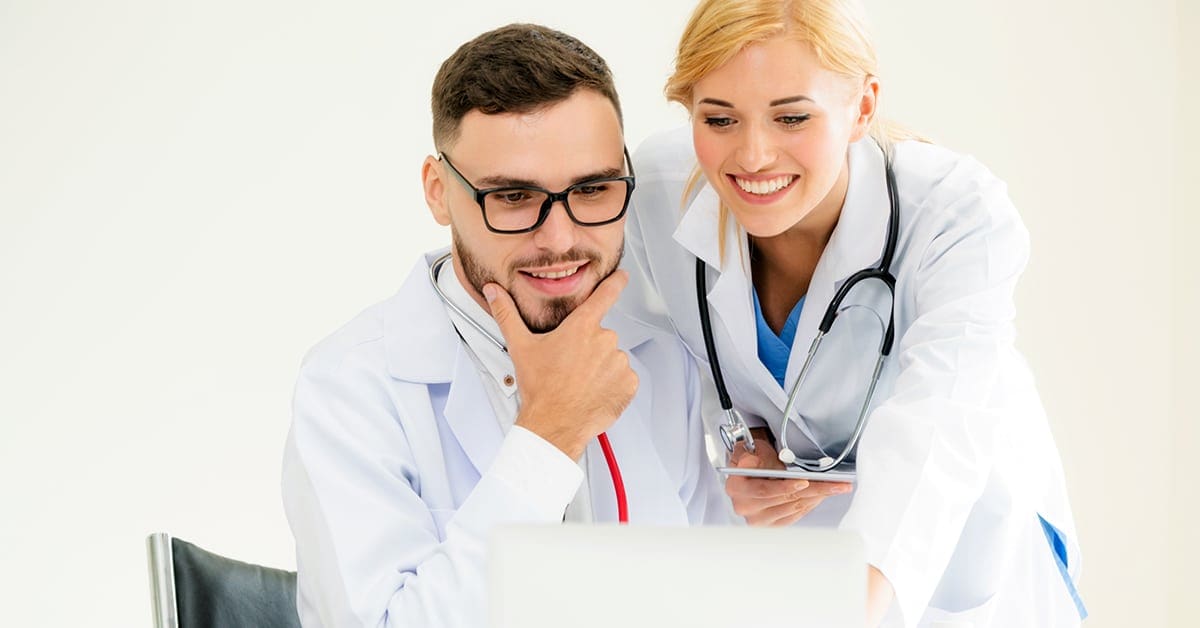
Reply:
x=844, y=473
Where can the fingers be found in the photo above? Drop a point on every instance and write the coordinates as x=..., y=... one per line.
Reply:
x=752, y=506
x=744, y=459
x=784, y=514
x=778, y=502
x=739, y=454
x=512, y=326
x=740, y=487
x=602, y=298
x=825, y=489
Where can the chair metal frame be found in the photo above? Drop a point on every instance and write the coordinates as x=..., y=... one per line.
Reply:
x=162, y=580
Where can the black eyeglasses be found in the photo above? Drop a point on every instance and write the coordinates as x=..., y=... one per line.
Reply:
x=523, y=208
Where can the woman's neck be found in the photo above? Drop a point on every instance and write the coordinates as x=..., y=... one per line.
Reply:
x=782, y=266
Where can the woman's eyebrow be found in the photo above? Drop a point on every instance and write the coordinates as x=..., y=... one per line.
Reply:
x=774, y=103
x=789, y=100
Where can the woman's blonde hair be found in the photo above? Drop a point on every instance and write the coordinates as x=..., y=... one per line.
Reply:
x=719, y=29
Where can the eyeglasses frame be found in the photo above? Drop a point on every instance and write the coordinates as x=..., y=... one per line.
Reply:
x=551, y=197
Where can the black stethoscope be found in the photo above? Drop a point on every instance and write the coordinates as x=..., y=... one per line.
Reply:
x=735, y=430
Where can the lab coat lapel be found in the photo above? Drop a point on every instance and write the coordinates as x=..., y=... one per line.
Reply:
x=470, y=416
x=856, y=243
x=423, y=347
x=417, y=332
x=697, y=230
x=729, y=297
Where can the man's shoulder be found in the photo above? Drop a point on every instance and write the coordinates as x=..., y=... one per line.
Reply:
x=377, y=334
x=362, y=336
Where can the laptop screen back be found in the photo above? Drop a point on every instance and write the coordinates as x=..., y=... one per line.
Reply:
x=614, y=576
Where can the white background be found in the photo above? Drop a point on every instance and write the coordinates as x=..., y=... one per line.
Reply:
x=192, y=194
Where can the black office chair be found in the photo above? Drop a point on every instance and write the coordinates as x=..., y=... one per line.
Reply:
x=193, y=588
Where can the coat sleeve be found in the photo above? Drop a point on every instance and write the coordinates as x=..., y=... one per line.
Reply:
x=929, y=449
x=369, y=551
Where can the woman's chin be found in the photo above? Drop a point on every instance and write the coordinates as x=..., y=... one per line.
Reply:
x=757, y=225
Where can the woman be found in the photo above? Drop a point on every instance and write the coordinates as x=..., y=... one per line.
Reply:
x=783, y=183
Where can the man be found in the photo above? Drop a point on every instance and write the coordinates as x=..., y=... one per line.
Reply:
x=475, y=396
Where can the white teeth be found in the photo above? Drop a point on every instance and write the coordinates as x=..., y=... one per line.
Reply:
x=769, y=186
x=558, y=275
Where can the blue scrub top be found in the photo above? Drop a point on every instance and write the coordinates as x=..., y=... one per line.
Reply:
x=774, y=351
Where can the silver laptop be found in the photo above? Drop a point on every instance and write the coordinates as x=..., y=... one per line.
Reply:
x=719, y=577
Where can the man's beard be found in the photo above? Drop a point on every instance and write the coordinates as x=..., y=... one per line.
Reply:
x=553, y=311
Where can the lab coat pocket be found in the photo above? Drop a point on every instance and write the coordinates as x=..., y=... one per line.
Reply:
x=977, y=568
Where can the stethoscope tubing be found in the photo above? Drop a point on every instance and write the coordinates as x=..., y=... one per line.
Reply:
x=735, y=428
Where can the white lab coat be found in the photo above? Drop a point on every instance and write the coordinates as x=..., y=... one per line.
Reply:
x=396, y=467
x=957, y=460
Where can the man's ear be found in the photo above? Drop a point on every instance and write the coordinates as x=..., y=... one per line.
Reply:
x=865, y=107
x=434, y=183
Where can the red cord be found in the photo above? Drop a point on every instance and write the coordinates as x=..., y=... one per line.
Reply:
x=615, y=472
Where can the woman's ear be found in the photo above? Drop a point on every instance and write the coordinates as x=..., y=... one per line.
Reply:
x=435, y=190
x=867, y=99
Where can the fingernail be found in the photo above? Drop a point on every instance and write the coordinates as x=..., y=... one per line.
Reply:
x=489, y=292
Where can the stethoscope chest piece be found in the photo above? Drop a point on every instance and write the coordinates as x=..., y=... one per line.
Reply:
x=735, y=430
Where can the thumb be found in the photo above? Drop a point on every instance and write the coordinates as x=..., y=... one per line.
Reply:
x=747, y=461
x=504, y=311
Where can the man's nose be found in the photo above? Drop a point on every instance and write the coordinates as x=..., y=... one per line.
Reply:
x=558, y=233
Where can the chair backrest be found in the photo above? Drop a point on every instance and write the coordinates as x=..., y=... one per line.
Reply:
x=194, y=588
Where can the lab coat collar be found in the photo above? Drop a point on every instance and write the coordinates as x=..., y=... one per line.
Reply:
x=729, y=295
x=422, y=347
x=856, y=242
x=420, y=341
x=697, y=230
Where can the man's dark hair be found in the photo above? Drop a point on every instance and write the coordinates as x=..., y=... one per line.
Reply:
x=517, y=68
